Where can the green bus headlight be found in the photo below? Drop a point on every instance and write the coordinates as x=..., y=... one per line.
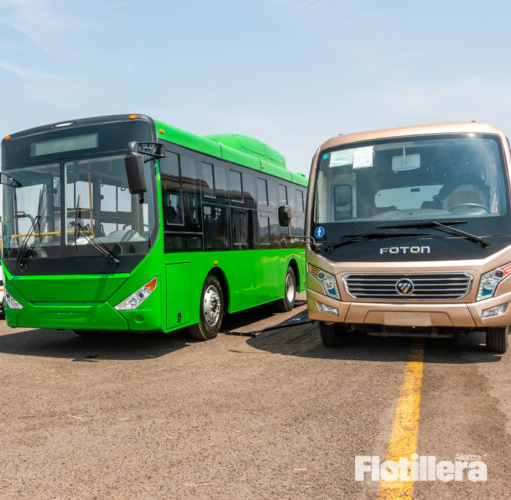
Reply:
x=12, y=303
x=136, y=299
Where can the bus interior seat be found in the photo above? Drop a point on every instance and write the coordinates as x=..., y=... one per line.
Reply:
x=122, y=235
x=465, y=193
x=430, y=204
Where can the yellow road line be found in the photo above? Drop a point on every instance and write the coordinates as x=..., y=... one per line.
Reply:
x=405, y=429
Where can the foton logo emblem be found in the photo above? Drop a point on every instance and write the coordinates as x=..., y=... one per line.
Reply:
x=404, y=250
x=404, y=287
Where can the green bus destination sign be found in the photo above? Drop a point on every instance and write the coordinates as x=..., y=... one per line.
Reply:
x=64, y=144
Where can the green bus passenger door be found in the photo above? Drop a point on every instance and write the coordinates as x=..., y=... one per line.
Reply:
x=179, y=293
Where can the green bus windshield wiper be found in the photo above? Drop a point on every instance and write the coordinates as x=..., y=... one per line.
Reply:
x=445, y=227
x=352, y=238
x=79, y=230
x=24, y=249
x=76, y=221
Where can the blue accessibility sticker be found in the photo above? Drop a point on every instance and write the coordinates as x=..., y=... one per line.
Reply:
x=319, y=232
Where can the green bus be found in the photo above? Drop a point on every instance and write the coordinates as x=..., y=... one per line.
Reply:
x=126, y=223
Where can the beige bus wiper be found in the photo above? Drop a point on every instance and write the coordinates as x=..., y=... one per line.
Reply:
x=445, y=227
x=352, y=238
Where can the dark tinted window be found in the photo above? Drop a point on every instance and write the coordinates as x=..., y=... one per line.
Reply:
x=221, y=185
x=180, y=182
x=216, y=227
x=171, y=189
x=175, y=242
x=208, y=180
x=249, y=189
x=264, y=231
x=242, y=228
x=235, y=185
x=282, y=194
x=262, y=191
x=300, y=205
x=191, y=193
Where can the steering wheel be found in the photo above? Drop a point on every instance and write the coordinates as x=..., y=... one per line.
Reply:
x=470, y=206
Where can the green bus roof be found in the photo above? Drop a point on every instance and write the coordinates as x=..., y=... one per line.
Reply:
x=236, y=148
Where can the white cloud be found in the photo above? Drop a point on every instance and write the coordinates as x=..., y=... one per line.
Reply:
x=44, y=23
x=51, y=93
x=26, y=73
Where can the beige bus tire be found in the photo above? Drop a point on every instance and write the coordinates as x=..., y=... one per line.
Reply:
x=211, y=310
x=497, y=339
x=333, y=335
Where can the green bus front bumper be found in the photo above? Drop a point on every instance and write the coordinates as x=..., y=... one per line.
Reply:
x=73, y=316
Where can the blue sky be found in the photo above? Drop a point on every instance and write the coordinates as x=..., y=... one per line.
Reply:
x=289, y=72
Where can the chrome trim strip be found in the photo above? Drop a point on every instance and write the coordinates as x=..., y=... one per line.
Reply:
x=459, y=287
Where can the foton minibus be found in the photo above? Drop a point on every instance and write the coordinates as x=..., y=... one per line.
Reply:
x=409, y=232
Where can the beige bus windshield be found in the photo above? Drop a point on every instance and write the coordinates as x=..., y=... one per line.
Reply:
x=428, y=177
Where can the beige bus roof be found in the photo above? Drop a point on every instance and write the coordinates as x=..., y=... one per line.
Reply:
x=444, y=128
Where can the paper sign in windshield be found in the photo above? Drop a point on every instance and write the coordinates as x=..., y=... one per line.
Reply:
x=355, y=157
x=363, y=157
x=343, y=158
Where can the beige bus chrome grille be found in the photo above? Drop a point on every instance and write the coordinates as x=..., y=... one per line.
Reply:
x=441, y=286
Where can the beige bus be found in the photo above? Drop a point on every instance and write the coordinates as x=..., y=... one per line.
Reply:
x=411, y=233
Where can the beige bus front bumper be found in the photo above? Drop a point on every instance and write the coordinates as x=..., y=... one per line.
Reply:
x=461, y=315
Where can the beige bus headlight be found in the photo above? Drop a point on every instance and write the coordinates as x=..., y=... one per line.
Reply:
x=490, y=280
x=495, y=311
x=135, y=299
x=327, y=309
x=327, y=280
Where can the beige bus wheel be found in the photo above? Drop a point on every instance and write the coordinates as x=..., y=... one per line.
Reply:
x=496, y=339
x=333, y=335
x=211, y=311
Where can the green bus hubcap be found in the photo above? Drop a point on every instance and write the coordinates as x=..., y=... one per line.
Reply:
x=212, y=306
x=290, y=288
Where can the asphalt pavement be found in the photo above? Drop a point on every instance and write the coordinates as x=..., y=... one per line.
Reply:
x=246, y=415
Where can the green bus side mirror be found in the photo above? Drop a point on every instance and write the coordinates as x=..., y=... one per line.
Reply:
x=134, y=163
